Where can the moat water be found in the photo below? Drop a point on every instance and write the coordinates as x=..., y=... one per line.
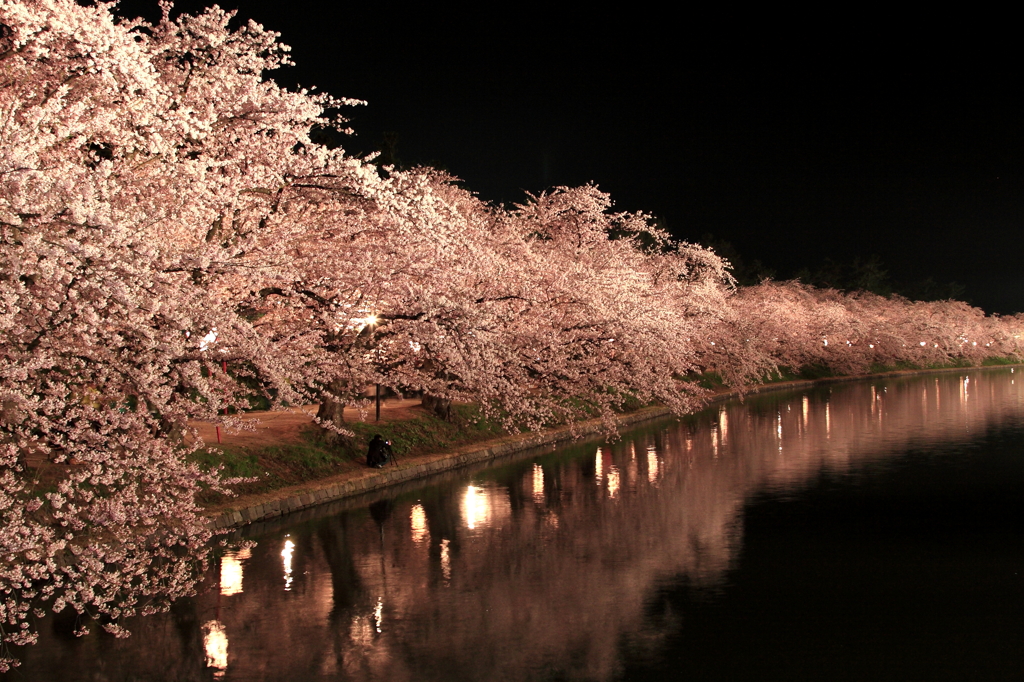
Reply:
x=862, y=530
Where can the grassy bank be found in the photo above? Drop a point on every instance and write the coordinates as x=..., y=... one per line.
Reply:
x=311, y=457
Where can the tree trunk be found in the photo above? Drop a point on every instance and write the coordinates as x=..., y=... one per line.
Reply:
x=439, y=406
x=332, y=411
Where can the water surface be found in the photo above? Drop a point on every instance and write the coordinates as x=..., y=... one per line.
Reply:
x=866, y=530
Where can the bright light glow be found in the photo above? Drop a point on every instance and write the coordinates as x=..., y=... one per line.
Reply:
x=215, y=644
x=286, y=555
x=418, y=521
x=922, y=343
x=599, y=466
x=231, y=571
x=208, y=340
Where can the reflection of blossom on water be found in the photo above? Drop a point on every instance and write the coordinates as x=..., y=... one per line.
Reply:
x=286, y=555
x=215, y=643
x=231, y=571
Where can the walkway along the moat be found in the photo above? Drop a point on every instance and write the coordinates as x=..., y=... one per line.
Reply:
x=245, y=510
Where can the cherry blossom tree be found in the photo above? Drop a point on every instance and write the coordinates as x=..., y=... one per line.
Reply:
x=148, y=182
x=171, y=237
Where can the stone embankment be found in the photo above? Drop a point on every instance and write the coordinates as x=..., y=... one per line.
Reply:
x=293, y=499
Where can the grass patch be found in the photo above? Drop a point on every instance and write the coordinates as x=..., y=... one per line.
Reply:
x=991, y=362
x=312, y=457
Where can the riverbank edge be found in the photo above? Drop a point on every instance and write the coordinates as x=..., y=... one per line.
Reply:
x=315, y=493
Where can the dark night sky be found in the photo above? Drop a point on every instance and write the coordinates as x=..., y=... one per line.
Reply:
x=792, y=149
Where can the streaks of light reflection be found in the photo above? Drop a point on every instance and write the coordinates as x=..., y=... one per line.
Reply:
x=378, y=614
x=286, y=556
x=538, y=483
x=613, y=481
x=446, y=562
x=652, y=464
x=474, y=507
x=231, y=571
x=599, y=466
x=418, y=521
x=215, y=644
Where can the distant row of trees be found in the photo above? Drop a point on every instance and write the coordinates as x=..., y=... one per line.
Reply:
x=860, y=274
x=172, y=241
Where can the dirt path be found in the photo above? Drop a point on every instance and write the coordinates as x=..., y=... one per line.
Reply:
x=284, y=426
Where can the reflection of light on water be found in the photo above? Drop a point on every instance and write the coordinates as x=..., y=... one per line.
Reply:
x=599, y=466
x=378, y=612
x=807, y=406
x=474, y=506
x=652, y=464
x=613, y=481
x=215, y=643
x=714, y=443
x=723, y=424
x=418, y=520
x=231, y=571
x=286, y=555
x=828, y=422
x=446, y=561
x=360, y=631
x=538, y=483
